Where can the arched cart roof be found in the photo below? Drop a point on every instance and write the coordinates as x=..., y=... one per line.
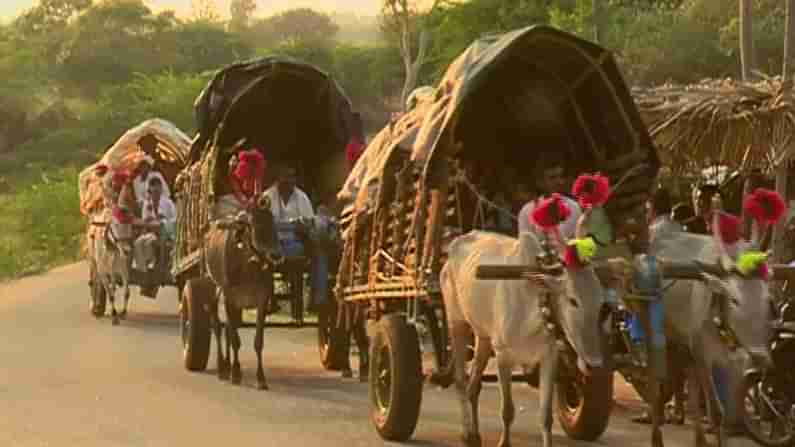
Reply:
x=536, y=95
x=172, y=151
x=289, y=108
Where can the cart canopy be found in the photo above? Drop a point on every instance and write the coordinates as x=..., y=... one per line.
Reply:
x=530, y=96
x=172, y=154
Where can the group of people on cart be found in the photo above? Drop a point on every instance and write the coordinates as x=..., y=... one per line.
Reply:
x=141, y=197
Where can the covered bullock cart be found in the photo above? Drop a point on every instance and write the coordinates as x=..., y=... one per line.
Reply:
x=748, y=129
x=292, y=114
x=741, y=127
x=507, y=104
x=170, y=157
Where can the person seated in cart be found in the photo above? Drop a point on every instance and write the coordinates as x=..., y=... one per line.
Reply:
x=158, y=219
x=551, y=180
x=146, y=171
x=292, y=211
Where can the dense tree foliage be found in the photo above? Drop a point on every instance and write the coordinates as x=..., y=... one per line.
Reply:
x=103, y=65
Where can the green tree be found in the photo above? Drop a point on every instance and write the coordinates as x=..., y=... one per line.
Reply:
x=241, y=12
x=302, y=26
x=50, y=15
x=111, y=41
x=204, y=11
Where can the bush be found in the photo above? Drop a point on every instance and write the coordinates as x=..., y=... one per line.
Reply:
x=43, y=225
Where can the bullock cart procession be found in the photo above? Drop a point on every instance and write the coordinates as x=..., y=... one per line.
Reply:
x=154, y=145
x=519, y=210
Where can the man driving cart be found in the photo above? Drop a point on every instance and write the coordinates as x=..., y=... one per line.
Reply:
x=158, y=222
x=294, y=217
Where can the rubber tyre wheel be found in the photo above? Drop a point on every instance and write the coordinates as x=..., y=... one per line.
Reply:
x=331, y=340
x=585, y=404
x=195, y=323
x=785, y=441
x=99, y=298
x=395, y=379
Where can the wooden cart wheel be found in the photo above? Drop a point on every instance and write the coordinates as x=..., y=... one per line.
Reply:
x=98, y=300
x=395, y=379
x=331, y=341
x=195, y=323
x=585, y=404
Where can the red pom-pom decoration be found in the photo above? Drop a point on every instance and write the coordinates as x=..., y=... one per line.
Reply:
x=591, y=190
x=251, y=165
x=122, y=215
x=570, y=258
x=729, y=228
x=120, y=178
x=765, y=206
x=550, y=213
x=764, y=271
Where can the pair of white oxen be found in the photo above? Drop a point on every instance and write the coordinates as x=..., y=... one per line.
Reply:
x=505, y=317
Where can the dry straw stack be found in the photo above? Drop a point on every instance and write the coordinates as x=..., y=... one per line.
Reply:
x=720, y=121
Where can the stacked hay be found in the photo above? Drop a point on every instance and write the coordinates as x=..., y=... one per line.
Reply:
x=720, y=121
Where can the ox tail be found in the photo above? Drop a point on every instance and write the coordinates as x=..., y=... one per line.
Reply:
x=445, y=376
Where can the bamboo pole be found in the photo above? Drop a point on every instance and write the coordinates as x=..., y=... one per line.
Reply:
x=782, y=178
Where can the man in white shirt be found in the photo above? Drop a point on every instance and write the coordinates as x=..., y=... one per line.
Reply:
x=288, y=204
x=146, y=172
x=550, y=180
x=159, y=219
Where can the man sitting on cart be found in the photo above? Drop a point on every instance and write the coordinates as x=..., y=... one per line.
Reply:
x=551, y=180
x=292, y=212
x=158, y=219
x=146, y=171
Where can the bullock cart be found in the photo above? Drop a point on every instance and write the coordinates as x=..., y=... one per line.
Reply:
x=508, y=104
x=747, y=128
x=170, y=156
x=292, y=114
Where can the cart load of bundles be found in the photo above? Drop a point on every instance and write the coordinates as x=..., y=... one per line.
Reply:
x=255, y=118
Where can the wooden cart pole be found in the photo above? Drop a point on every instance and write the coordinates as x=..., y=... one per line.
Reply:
x=782, y=177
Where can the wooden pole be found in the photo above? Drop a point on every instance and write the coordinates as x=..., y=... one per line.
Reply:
x=782, y=177
x=789, y=41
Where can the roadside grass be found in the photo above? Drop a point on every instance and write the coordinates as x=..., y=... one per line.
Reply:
x=42, y=225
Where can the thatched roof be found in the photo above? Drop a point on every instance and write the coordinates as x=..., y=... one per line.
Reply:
x=720, y=121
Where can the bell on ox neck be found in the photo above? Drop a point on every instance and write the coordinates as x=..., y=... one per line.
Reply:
x=550, y=327
x=546, y=312
x=717, y=321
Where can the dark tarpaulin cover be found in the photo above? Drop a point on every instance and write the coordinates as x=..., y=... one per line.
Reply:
x=590, y=94
x=234, y=84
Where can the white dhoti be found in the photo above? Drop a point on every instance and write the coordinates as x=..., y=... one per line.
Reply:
x=145, y=251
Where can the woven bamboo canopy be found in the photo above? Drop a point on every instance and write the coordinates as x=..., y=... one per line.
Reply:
x=742, y=125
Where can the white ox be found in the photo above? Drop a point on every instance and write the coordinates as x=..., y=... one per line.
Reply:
x=505, y=315
x=112, y=257
x=742, y=303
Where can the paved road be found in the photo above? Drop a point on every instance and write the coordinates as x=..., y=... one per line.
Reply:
x=68, y=379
